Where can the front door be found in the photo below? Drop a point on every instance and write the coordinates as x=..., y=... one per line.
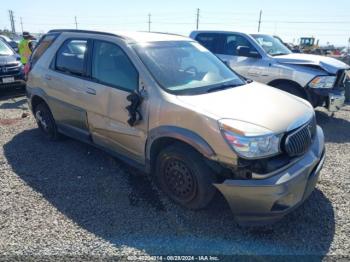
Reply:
x=112, y=69
x=249, y=67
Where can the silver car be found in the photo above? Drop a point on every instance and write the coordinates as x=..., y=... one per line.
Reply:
x=263, y=58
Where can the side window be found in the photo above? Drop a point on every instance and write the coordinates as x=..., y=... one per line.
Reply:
x=44, y=43
x=231, y=42
x=111, y=66
x=210, y=41
x=71, y=57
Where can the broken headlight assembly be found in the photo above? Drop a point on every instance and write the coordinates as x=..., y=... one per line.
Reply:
x=250, y=141
x=323, y=82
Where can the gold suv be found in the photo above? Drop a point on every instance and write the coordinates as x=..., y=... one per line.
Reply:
x=167, y=105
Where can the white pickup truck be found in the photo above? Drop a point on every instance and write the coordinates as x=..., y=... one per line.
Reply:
x=262, y=58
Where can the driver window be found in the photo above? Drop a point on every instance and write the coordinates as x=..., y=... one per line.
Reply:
x=112, y=67
x=231, y=42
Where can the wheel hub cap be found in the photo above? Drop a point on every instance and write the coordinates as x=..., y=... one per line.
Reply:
x=39, y=118
x=180, y=180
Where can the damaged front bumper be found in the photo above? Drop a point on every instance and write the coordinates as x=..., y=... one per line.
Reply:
x=262, y=201
x=336, y=101
x=333, y=99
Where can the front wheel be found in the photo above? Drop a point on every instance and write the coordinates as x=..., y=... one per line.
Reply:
x=184, y=176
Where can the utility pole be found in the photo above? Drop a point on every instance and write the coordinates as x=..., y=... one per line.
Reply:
x=76, y=23
x=21, y=25
x=149, y=22
x=12, y=21
x=259, y=21
x=197, y=20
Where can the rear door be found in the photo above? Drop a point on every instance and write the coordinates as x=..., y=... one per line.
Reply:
x=69, y=88
x=113, y=70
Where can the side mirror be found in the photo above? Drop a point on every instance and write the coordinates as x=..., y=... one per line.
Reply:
x=245, y=51
x=135, y=116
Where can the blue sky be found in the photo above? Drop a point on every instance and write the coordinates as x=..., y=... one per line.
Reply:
x=328, y=21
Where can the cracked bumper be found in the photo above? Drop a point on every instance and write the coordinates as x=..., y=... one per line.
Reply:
x=263, y=201
x=335, y=101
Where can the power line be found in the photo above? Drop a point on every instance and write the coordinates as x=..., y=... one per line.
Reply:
x=197, y=20
x=308, y=22
x=21, y=25
x=12, y=22
x=149, y=22
x=76, y=23
x=259, y=20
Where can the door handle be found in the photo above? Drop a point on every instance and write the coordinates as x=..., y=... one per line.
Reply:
x=91, y=91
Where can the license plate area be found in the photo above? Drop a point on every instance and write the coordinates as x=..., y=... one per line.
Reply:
x=8, y=80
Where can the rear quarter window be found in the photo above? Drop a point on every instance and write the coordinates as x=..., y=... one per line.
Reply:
x=45, y=42
x=71, y=57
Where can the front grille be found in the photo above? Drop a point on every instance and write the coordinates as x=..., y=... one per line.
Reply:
x=9, y=69
x=298, y=141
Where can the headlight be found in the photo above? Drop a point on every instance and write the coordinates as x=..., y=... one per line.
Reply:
x=323, y=82
x=248, y=140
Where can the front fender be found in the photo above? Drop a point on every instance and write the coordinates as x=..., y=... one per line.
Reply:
x=189, y=137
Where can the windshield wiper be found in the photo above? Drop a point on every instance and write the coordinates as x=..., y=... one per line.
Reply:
x=222, y=87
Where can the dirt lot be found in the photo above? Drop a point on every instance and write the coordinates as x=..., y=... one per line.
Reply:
x=69, y=198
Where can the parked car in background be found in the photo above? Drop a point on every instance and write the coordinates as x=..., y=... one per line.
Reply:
x=11, y=69
x=168, y=106
x=263, y=58
x=10, y=42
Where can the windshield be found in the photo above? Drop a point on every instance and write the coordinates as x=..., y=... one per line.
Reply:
x=5, y=50
x=185, y=67
x=6, y=38
x=271, y=45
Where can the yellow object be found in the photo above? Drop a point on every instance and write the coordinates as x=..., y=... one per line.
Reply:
x=24, y=50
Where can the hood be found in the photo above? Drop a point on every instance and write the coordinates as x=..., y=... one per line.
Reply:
x=328, y=64
x=254, y=103
x=10, y=59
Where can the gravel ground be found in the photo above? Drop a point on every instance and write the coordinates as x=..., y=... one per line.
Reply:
x=68, y=198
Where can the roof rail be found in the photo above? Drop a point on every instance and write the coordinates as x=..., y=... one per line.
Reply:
x=163, y=33
x=82, y=31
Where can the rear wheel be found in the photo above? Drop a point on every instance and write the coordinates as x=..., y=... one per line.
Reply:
x=184, y=176
x=45, y=121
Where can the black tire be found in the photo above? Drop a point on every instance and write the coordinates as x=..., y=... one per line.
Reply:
x=183, y=175
x=291, y=88
x=46, y=122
